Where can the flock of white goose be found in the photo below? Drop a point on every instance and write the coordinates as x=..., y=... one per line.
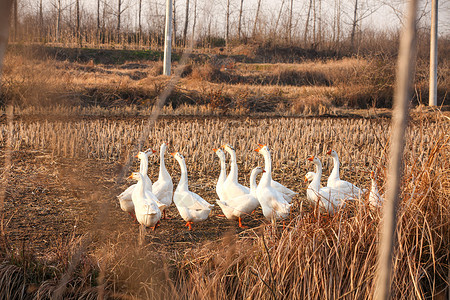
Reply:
x=147, y=201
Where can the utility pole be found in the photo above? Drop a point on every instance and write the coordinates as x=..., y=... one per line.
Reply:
x=433, y=54
x=168, y=38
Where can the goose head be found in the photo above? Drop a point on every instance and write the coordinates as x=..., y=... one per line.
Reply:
x=145, y=154
x=373, y=175
x=163, y=147
x=263, y=149
x=258, y=170
x=309, y=176
x=178, y=156
x=220, y=154
x=228, y=148
x=315, y=160
x=136, y=176
x=332, y=153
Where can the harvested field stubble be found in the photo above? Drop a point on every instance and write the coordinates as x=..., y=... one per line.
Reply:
x=317, y=256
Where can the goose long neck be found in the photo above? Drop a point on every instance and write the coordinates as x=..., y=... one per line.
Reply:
x=143, y=168
x=267, y=176
x=140, y=187
x=183, y=184
x=223, y=170
x=253, y=184
x=315, y=183
x=162, y=166
x=233, y=169
x=335, y=171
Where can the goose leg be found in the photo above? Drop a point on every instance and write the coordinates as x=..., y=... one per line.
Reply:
x=156, y=225
x=189, y=224
x=240, y=224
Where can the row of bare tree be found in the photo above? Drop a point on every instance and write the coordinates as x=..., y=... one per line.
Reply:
x=316, y=24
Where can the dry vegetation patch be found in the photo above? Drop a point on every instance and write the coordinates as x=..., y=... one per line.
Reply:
x=316, y=256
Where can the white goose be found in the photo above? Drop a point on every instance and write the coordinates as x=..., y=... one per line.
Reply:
x=231, y=187
x=336, y=183
x=375, y=199
x=147, y=212
x=273, y=204
x=238, y=207
x=328, y=198
x=125, y=199
x=287, y=193
x=223, y=173
x=191, y=206
x=163, y=187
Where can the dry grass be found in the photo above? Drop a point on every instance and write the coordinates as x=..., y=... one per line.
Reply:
x=307, y=88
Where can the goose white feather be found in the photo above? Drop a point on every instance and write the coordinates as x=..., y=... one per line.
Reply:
x=125, y=198
x=328, y=198
x=335, y=182
x=274, y=204
x=287, y=193
x=238, y=207
x=191, y=206
x=163, y=187
x=231, y=187
x=223, y=173
x=147, y=212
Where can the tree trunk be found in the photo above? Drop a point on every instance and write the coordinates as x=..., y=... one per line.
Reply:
x=307, y=23
x=278, y=18
x=240, y=20
x=140, y=24
x=290, y=22
x=41, y=20
x=174, y=25
x=186, y=22
x=355, y=20
x=195, y=22
x=119, y=12
x=98, y=21
x=227, y=36
x=314, y=24
x=78, y=34
x=256, y=18
x=58, y=19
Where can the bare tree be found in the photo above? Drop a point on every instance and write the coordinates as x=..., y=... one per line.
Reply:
x=174, y=24
x=240, y=19
x=139, y=21
x=256, y=18
x=15, y=20
x=227, y=36
x=354, y=23
x=290, y=22
x=186, y=22
x=279, y=16
x=195, y=20
x=58, y=19
x=305, y=37
x=78, y=33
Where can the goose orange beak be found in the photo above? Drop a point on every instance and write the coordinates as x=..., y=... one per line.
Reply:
x=329, y=152
x=306, y=179
x=154, y=151
x=215, y=150
x=173, y=154
x=311, y=158
x=261, y=145
x=136, y=156
x=257, y=150
x=129, y=177
x=372, y=174
x=264, y=171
